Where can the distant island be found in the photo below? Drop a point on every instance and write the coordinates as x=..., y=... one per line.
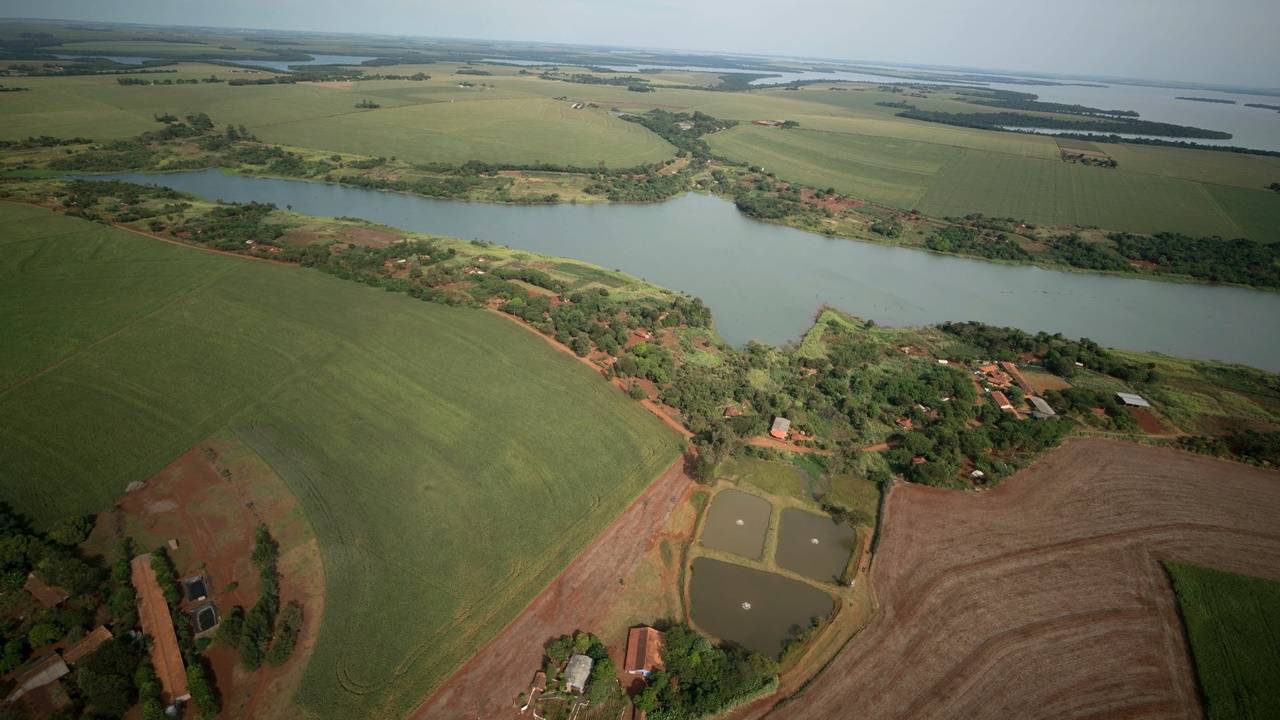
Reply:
x=1220, y=101
x=1264, y=106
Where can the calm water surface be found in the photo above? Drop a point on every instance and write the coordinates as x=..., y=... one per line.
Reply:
x=766, y=282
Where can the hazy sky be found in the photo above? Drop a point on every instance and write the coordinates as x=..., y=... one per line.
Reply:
x=1227, y=41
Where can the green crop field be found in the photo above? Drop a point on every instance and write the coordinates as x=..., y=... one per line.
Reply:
x=431, y=121
x=450, y=462
x=946, y=180
x=893, y=172
x=1233, y=622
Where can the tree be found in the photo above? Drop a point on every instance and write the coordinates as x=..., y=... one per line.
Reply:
x=105, y=678
x=15, y=651
x=71, y=531
x=44, y=633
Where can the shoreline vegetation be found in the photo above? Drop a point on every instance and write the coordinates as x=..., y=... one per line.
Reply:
x=196, y=142
x=847, y=385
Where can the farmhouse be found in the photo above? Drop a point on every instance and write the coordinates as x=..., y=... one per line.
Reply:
x=47, y=595
x=781, y=428
x=768, y=123
x=86, y=645
x=153, y=615
x=1001, y=401
x=644, y=651
x=995, y=376
x=577, y=672
x=1133, y=400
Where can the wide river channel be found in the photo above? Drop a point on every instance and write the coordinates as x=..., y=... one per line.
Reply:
x=766, y=282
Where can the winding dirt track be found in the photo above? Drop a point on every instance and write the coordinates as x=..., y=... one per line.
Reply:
x=1045, y=598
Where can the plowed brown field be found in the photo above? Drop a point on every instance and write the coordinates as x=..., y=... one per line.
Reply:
x=1045, y=598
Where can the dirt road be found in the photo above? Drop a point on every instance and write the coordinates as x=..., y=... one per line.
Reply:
x=488, y=684
x=1045, y=598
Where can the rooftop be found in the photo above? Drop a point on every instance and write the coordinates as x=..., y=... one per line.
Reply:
x=86, y=645
x=1134, y=400
x=577, y=672
x=153, y=615
x=644, y=651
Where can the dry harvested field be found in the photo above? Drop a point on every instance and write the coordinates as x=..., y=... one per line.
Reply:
x=487, y=686
x=1045, y=598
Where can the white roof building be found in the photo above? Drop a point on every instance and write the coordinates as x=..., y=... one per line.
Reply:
x=577, y=672
x=1134, y=400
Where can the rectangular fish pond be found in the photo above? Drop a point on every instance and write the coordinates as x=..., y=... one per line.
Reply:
x=737, y=523
x=756, y=609
x=814, y=545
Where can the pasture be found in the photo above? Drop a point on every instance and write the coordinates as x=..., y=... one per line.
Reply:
x=450, y=462
x=1231, y=621
x=946, y=180
x=428, y=121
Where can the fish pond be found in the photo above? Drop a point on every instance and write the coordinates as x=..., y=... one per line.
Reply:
x=738, y=523
x=756, y=609
x=814, y=545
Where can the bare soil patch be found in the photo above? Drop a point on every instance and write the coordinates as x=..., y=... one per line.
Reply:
x=211, y=499
x=1045, y=597
x=578, y=599
x=1148, y=421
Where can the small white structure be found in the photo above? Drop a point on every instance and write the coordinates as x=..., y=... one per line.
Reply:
x=1133, y=400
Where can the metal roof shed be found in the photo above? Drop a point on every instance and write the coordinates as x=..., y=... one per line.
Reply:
x=1134, y=400
x=577, y=672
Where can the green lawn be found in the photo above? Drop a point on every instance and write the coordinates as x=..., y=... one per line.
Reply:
x=450, y=462
x=1233, y=622
x=772, y=476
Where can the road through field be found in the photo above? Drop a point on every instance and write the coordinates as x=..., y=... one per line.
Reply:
x=1046, y=597
x=488, y=684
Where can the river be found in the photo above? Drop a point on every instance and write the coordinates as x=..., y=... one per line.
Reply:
x=765, y=281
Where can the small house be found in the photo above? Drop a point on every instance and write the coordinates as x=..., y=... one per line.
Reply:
x=644, y=651
x=47, y=595
x=87, y=645
x=1001, y=401
x=577, y=672
x=781, y=428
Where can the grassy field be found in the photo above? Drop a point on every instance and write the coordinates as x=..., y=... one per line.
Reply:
x=450, y=462
x=430, y=121
x=945, y=180
x=1233, y=622
x=845, y=139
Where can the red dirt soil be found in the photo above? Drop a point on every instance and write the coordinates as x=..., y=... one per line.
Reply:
x=578, y=599
x=1147, y=420
x=214, y=519
x=1045, y=597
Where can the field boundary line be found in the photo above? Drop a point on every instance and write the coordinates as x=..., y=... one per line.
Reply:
x=127, y=326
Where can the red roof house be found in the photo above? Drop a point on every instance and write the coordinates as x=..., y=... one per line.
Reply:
x=644, y=651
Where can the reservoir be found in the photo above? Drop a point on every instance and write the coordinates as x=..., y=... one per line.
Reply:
x=766, y=282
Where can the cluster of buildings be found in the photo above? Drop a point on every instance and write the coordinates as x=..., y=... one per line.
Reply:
x=643, y=658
